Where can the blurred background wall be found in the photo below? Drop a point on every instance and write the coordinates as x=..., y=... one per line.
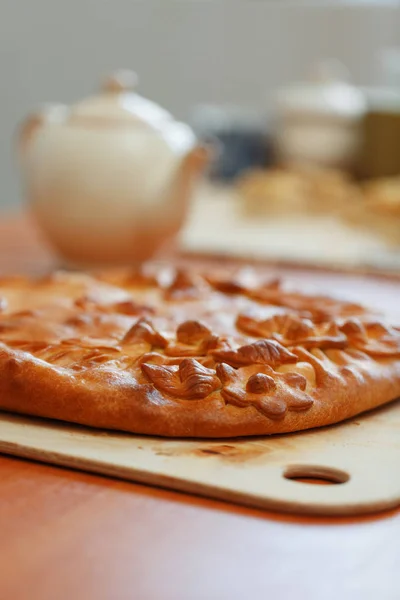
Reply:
x=185, y=53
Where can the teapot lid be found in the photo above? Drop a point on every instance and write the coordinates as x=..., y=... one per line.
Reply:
x=117, y=104
x=327, y=92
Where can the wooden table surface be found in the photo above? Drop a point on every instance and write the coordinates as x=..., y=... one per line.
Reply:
x=70, y=535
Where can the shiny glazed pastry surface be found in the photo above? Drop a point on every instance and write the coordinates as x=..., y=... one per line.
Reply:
x=175, y=353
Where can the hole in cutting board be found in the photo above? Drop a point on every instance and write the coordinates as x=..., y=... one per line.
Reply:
x=315, y=474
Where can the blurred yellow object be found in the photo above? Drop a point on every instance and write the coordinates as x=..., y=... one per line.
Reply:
x=383, y=195
x=380, y=211
x=274, y=191
x=373, y=206
x=296, y=190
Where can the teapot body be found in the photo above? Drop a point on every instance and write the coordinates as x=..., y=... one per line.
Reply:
x=108, y=190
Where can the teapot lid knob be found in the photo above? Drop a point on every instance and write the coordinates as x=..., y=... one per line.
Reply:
x=122, y=80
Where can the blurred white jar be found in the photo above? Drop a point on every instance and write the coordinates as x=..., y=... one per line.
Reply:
x=318, y=121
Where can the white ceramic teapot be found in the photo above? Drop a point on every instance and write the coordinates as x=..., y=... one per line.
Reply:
x=109, y=179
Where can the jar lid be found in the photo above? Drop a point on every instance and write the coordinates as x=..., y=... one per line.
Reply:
x=327, y=93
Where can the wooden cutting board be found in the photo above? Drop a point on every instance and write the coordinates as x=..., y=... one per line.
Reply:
x=360, y=458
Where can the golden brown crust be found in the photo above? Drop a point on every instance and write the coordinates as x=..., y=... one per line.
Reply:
x=181, y=355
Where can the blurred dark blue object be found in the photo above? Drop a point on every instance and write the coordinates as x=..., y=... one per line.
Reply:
x=241, y=140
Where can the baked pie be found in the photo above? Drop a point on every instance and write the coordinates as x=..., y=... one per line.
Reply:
x=174, y=353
